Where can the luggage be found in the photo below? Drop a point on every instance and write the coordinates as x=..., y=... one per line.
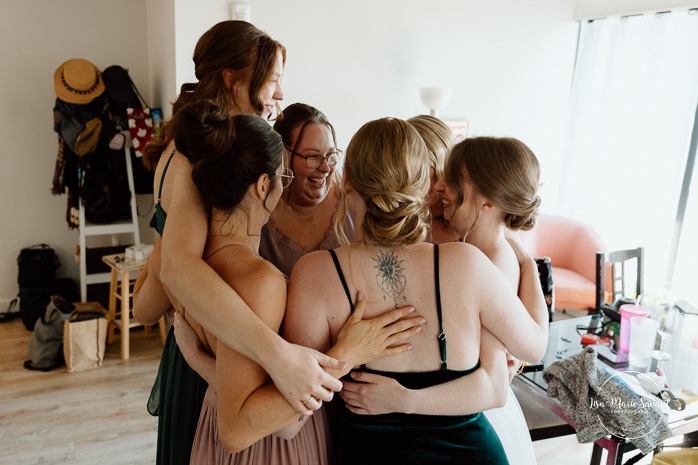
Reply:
x=37, y=265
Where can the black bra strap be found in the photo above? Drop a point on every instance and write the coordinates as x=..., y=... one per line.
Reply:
x=341, y=277
x=164, y=172
x=442, y=335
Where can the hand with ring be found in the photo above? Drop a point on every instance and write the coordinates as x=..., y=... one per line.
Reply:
x=309, y=400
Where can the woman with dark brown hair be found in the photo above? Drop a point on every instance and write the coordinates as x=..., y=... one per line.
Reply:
x=239, y=68
x=303, y=220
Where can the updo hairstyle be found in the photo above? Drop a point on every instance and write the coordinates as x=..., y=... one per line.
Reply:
x=228, y=153
x=388, y=166
x=234, y=45
x=502, y=169
x=438, y=138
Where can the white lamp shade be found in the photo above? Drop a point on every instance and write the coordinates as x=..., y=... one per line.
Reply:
x=435, y=97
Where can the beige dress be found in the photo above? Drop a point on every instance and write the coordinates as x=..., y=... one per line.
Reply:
x=284, y=252
x=311, y=446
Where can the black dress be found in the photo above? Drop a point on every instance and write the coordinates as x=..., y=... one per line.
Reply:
x=410, y=438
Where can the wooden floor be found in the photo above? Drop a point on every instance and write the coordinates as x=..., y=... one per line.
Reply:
x=91, y=417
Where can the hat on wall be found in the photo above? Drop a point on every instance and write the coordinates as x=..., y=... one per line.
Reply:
x=78, y=81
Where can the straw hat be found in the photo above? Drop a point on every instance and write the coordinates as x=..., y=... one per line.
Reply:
x=78, y=81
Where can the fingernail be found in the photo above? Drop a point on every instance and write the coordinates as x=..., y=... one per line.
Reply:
x=421, y=321
x=359, y=295
x=410, y=310
x=419, y=329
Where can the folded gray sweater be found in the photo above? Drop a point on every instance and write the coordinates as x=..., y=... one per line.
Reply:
x=599, y=404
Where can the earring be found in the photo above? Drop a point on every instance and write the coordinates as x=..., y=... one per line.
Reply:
x=235, y=91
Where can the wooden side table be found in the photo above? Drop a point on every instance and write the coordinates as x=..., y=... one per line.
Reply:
x=120, y=289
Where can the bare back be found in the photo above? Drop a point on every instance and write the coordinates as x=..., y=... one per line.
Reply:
x=389, y=278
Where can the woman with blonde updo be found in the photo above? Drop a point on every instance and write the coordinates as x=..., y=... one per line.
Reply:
x=373, y=394
x=453, y=285
x=438, y=138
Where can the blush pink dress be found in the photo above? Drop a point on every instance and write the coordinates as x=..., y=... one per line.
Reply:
x=311, y=446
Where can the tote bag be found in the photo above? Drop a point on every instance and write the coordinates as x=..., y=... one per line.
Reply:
x=85, y=340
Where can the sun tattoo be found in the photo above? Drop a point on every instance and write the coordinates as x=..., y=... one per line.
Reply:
x=390, y=277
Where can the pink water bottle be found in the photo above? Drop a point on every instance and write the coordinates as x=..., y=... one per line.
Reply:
x=628, y=311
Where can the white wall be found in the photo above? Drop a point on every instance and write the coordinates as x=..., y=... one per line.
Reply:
x=509, y=63
x=36, y=38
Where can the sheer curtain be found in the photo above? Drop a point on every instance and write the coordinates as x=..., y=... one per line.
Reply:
x=632, y=107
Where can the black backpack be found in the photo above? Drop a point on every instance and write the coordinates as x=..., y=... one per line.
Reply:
x=103, y=187
x=37, y=282
x=37, y=265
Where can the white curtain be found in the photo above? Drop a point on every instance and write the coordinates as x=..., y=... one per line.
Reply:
x=632, y=107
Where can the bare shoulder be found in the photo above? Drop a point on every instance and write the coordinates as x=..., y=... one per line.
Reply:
x=312, y=265
x=458, y=259
x=459, y=251
x=259, y=283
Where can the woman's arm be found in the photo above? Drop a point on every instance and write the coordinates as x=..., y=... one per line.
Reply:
x=520, y=323
x=150, y=300
x=297, y=371
x=374, y=394
x=249, y=406
x=194, y=353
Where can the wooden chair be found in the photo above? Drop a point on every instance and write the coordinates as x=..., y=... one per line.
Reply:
x=618, y=274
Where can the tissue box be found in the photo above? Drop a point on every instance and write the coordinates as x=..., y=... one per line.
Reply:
x=138, y=252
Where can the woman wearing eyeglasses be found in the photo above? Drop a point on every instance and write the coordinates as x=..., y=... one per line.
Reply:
x=303, y=219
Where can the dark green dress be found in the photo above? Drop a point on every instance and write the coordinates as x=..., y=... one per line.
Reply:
x=409, y=438
x=178, y=391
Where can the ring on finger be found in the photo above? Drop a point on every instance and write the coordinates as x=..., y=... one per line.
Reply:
x=310, y=399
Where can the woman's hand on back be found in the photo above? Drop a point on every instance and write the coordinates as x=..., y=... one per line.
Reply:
x=363, y=340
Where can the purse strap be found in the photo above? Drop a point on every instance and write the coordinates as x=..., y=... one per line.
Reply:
x=138, y=93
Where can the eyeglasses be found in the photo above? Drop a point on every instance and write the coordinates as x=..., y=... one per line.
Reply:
x=314, y=161
x=286, y=177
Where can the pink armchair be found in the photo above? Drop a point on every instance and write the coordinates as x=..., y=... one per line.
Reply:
x=571, y=246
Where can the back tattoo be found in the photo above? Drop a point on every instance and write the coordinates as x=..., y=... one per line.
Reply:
x=390, y=277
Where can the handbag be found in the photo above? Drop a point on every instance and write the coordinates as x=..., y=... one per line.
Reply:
x=140, y=126
x=140, y=122
x=85, y=338
x=45, y=343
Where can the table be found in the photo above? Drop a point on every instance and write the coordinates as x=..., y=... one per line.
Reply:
x=120, y=289
x=564, y=341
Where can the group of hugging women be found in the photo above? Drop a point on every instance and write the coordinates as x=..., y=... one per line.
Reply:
x=355, y=307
